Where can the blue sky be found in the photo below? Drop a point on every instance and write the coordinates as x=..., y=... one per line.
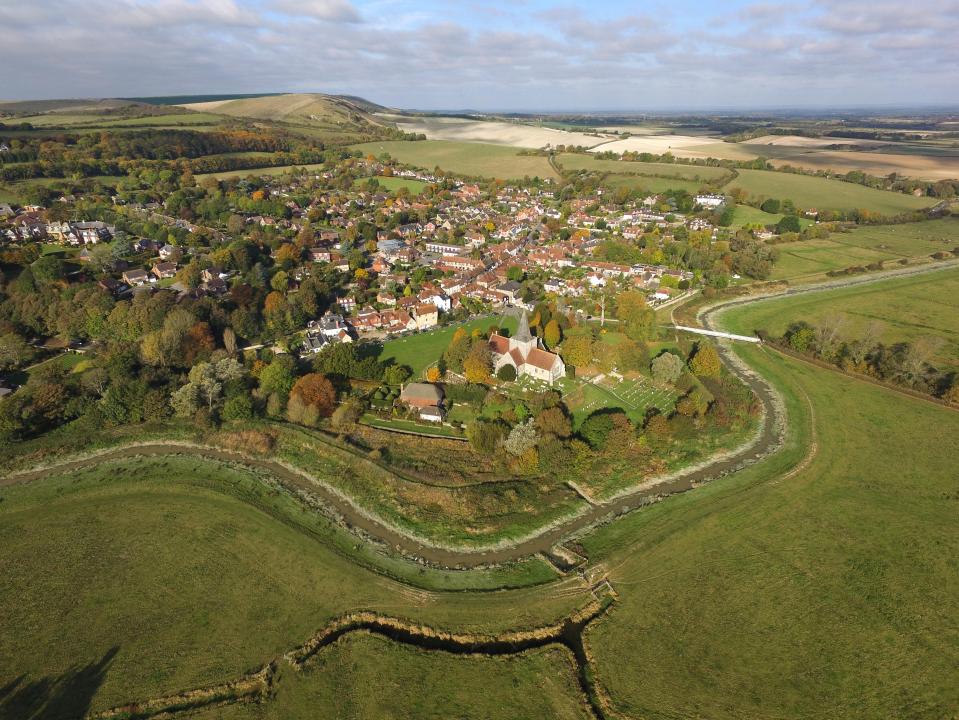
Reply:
x=519, y=55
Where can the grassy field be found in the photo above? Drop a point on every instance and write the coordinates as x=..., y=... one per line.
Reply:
x=748, y=215
x=392, y=184
x=829, y=592
x=366, y=676
x=909, y=308
x=576, y=161
x=473, y=159
x=181, y=572
x=809, y=260
x=424, y=349
x=824, y=194
x=259, y=172
x=634, y=396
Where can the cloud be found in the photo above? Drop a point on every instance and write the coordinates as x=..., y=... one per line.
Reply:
x=432, y=54
x=341, y=11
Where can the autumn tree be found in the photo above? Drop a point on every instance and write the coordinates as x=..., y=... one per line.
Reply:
x=315, y=391
x=705, y=363
x=552, y=334
x=457, y=350
x=553, y=421
x=577, y=350
x=478, y=364
x=637, y=318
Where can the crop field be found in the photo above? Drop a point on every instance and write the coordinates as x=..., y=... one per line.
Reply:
x=908, y=308
x=463, y=158
x=824, y=194
x=513, y=134
x=685, y=146
x=808, y=260
x=366, y=676
x=421, y=350
x=826, y=590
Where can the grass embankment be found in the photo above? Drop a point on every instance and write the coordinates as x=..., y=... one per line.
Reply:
x=808, y=191
x=366, y=676
x=832, y=591
x=463, y=158
x=195, y=572
x=908, y=308
x=810, y=260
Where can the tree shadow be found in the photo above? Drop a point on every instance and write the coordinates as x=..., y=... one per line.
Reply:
x=57, y=697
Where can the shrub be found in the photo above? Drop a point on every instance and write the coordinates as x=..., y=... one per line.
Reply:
x=507, y=373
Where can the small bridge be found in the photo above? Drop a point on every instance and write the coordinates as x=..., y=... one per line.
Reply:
x=717, y=334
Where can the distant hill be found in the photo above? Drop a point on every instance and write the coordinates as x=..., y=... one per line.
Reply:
x=30, y=107
x=311, y=109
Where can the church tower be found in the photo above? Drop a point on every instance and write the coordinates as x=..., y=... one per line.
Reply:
x=523, y=340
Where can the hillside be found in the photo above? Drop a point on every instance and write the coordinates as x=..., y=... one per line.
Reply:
x=297, y=109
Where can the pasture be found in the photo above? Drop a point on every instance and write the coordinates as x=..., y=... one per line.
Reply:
x=367, y=676
x=261, y=172
x=649, y=177
x=908, y=308
x=177, y=572
x=808, y=191
x=809, y=260
x=463, y=158
x=824, y=590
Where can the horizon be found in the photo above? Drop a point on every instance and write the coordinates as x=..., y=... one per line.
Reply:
x=756, y=56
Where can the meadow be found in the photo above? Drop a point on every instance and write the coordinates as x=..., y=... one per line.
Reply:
x=809, y=260
x=576, y=161
x=258, y=172
x=367, y=676
x=463, y=158
x=823, y=589
x=908, y=308
x=808, y=191
x=179, y=572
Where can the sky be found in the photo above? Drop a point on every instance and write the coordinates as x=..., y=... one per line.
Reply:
x=522, y=55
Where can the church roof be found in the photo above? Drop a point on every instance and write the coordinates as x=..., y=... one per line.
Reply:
x=522, y=332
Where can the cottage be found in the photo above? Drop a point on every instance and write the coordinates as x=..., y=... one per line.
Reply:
x=426, y=398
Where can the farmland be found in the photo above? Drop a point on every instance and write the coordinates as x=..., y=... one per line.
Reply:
x=763, y=594
x=258, y=172
x=908, y=308
x=506, y=133
x=808, y=260
x=824, y=194
x=651, y=177
x=472, y=159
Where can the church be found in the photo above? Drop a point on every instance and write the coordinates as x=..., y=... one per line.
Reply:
x=522, y=351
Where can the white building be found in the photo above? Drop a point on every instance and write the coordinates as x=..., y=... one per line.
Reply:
x=522, y=351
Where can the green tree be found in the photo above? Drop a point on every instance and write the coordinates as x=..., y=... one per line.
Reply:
x=667, y=368
x=637, y=318
x=789, y=224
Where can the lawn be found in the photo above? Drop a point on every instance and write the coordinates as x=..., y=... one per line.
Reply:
x=829, y=592
x=409, y=426
x=809, y=260
x=366, y=676
x=633, y=395
x=908, y=308
x=748, y=215
x=192, y=573
x=463, y=158
x=808, y=191
x=392, y=184
x=421, y=350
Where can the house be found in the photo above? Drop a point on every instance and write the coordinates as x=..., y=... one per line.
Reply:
x=426, y=398
x=710, y=201
x=314, y=342
x=426, y=316
x=332, y=325
x=169, y=251
x=164, y=270
x=522, y=351
x=510, y=290
x=135, y=278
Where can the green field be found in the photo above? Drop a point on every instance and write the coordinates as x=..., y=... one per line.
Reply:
x=421, y=350
x=748, y=215
x=809, y=260
x=392, y=184
x=366, y=676
x=909, y=308
x=577, y=161
x=831, y=592
x=463, y=158
x=824, y=194
x=192, y=573
x=260, y=172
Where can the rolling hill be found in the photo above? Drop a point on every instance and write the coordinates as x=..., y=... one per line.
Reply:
x=296, y=109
